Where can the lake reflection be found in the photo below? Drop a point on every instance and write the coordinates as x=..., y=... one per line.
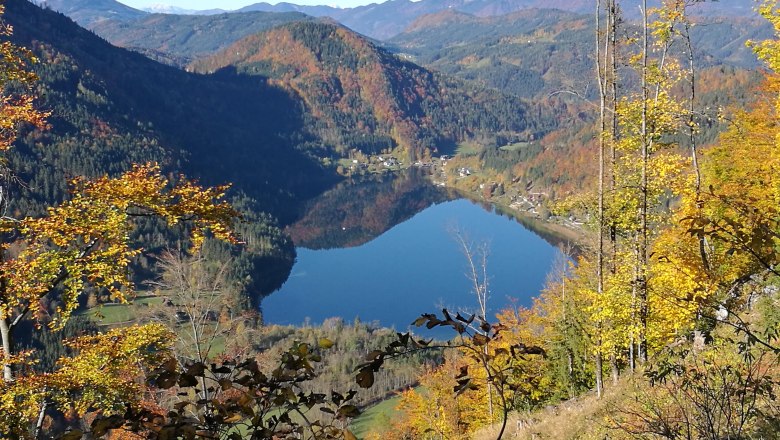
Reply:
x=403, y=259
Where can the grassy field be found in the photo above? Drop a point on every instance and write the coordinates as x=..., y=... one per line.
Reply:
x=466, y=149
x=376, y=418
x=119, y=314
x=516, y=146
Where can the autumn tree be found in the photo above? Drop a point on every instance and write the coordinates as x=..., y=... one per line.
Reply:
x=492, y=365
x=82, y=243
x=195, y=300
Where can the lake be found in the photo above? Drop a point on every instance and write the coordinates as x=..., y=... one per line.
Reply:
x=385, y=252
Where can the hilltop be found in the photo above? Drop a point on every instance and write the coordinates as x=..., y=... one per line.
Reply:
x=363, y=97
x=89, y=12
x=188, y=37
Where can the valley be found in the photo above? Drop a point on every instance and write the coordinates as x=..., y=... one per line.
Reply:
x=259, y=223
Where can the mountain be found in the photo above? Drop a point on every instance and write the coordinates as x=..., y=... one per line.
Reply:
x=390, y=18
x=535, y=52
x=183, y=38
x=361, y=97
x=168, y=9
x=313, y=10
x=377, y=20
x=89, y=12
x=529, y=53
x=384, y=20
x=262, y=114
x=112, y=107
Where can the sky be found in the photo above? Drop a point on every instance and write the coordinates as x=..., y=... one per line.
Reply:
x=236, y=4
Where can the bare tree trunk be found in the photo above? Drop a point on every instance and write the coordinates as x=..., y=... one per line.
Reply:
x=5, y=333
x=615, y=370
x=41, y=417
x=703, y=247
x=612, y=15
x=613, y=21
x=479, y=280
x=599, y=375
x=643, y=186
x=600, y=71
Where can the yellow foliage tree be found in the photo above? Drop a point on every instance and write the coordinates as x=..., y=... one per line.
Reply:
x=84, y=242
x=433, y=411
x=102, y=377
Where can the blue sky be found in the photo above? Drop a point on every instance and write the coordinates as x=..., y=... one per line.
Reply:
x=235, y=4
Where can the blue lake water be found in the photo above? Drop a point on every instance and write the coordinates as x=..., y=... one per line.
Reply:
x=414, y=267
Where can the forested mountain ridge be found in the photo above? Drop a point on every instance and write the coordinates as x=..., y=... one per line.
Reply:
x=189, y=36
x=546, y=56
x=88, y=12
x=378, y=20
x=128, y=108
x=387, y=19
x=363, y=97
x=535, y=52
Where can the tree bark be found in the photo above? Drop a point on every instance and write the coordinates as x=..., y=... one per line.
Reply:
x=601, y=70
x=643, y=203
x=5, y=333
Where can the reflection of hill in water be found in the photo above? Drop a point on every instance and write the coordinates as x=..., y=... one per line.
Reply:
x=356, y=212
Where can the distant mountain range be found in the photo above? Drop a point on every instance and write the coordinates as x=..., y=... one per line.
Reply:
x=534, y=52
x=382, y=20
x=167, y=9
x=88, y=12
x=527, y=53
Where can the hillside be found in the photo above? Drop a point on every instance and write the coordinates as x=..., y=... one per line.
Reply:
x=545, y=56
x=377, y=20
x=89, y=12
x=113, y=107
x=351, y=214
x=387, y=19
x=187, y=37
x=533, y=53
x=362, y=97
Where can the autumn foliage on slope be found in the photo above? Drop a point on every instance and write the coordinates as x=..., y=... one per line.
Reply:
x=361, y=96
